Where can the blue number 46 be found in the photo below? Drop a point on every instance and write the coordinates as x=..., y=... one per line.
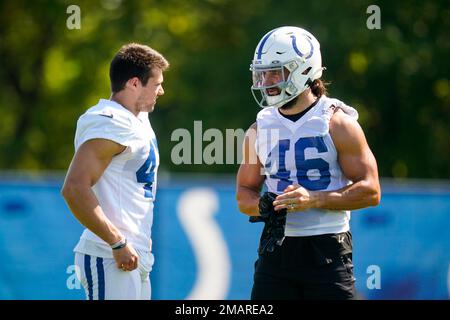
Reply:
x=146, y=173
x=302, y=165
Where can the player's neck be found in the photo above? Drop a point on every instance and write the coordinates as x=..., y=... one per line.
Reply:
x=304, y=100
x=124, y=101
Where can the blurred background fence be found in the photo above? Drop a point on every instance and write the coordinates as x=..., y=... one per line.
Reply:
x=205, y=249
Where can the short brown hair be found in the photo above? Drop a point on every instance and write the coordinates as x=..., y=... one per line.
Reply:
x=134, y=60
x=319, y=87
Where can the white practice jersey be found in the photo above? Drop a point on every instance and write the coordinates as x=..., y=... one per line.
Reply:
x=126, y=190
x=303, y=153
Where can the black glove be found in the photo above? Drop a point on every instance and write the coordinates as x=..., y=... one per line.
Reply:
x=275, y=221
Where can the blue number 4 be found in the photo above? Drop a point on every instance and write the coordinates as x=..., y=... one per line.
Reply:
x=302, y=165
x=146, y=173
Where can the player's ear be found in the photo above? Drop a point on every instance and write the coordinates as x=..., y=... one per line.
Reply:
x=133, y=83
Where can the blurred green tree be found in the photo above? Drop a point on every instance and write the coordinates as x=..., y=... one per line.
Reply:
x=397, y=77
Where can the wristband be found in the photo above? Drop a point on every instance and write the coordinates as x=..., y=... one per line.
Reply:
x=120, y=244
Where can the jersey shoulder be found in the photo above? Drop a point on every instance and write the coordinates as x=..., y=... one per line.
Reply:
x=338, y=105
x=106, y=120
x=265, y=113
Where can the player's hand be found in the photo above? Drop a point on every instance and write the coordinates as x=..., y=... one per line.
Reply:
x=126, y=258
x=295, y=198
x=274, y=223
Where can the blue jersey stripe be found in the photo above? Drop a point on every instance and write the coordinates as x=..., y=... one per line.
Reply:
x=101, y=279
x=87, y=271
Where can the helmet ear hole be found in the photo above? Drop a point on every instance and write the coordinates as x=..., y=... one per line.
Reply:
x=306, y=71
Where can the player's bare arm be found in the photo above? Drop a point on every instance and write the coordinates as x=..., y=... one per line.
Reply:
x=249, y=178
x=357, y=163
x=87, y=166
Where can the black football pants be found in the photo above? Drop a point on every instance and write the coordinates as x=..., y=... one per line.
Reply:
x=315, y=267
